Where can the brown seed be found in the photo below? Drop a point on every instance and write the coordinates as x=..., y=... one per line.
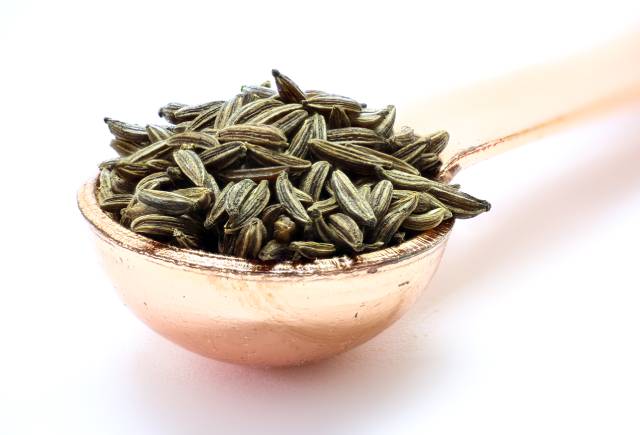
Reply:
x=284, y=229
x=227, y=110
x=250, y=239
x=358, y=136
x=314, y=180
x=346, y=157
x=264, y=135
x=253, y=109
x=350, y=201
x=224, y=155
x=288, y=91
x=116, y=202
x=191, y=166
x=130, y=132
x=168, y=112
x=426, y=221
x=288, y=198
x=381, y=196
x=312, y=250
x=236, y=196
x=274, y=251
x=291, y=121
x=269, y=173
x=273, y=114
x=157, y=132
x=170, y=203
x=191, y=113
x=218, y=209
x=251, y=207
x=403, y=180
x=385, y=128
x=326, y=102
x=268, y=157
x=338, y=118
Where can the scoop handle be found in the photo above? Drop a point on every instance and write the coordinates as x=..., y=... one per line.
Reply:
x=493, y=116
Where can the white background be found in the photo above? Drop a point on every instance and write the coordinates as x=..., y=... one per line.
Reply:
x=531, y=325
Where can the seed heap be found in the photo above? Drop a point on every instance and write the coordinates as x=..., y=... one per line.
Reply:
x=278, y=175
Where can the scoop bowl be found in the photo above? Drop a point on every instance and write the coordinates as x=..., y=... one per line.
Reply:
x=247, y=312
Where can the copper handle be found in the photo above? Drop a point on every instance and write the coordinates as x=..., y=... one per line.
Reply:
x=497, y=115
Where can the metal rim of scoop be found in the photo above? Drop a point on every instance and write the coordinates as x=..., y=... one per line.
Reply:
x=116, y=234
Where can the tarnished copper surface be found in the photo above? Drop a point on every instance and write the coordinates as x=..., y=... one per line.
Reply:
x=247, y=312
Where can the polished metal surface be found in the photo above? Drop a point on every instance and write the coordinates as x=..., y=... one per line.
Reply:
x=245, y=312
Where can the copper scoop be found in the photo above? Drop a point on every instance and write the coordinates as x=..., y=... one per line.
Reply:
x=246, y=312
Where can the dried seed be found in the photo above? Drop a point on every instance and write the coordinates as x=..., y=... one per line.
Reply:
x=350, y=200
x=253, y=109
x=236, y=196
x=163, y=226
x=427, y=162
x=200, y=195
x=461, y=204
x=250, y=239
x=385, y=128
x=358, y=136
x=168, y=112
x=130, y=132
x=270, y=214
x=346, y=157
x=319, y=127
x=182, y=127
x=325, y=206
x=274, y=251
x=349, y=234
x=187, y=241
x=313, y=250
x=406, y=204
x=269, y=173
x=437, y=142
x=154, y=181
x=251, y=207
x=304, y=197
x=426, y=221
x=170, y=203
x=124, y=147
x=218, y=209
x=224, y=155
x=299, y=143
x=403, y=137
x=426, y=201
x=206, y=118
x=369, y=119
x=191, y=113
x=412, y=152
x=157, y=133
x=390, y=161
x=211, y=184
x=284, y=229
x=268, y=157
x=104, y=184
x=381, y=195
x=274, y=114
x=338, y=118
x=264, y=135
x=260, y=91
x=327, y=101
x=193, y=139
x=287, y=89
x=288, y=198
x=388, y=226
x=314, y=180
x=116, y=202
x=403, y=180
x=227, y=110
x=191, y=166
x=290, y=121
